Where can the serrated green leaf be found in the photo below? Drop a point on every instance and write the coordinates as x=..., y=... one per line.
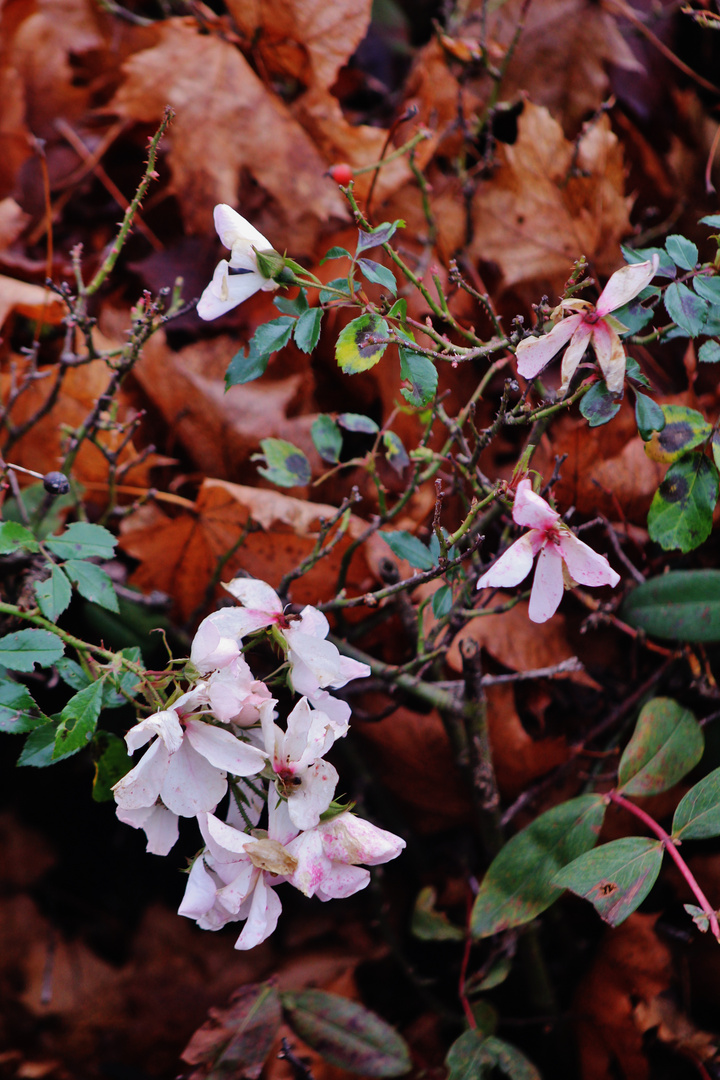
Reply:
x=429, y=924
x=18, y=711
x=336, y=253
x=697, y=816
x=681, y=512
x=346, y=1034
x=398, y=310
x=245, y=368
x=111, y=764
x=341, y=285
x=83, y=541
x=93, y=583
x=379, y=235
x=666, y=744
x=327, y=438
x=476, y=1057
x=442, y=601
x=634, y=372
x=684, y=429
x=422, y=375
x=682, y=605
x=292, y=307
x=71, y=673
x=633, y=316
x=395, y=452
x=713, y=220
x=13, y=535
x=518, y=885
x=78, y=720
x=698, y=916
x=356, y=348
x=285, y=464
x=363, y=425
x=53, y=594
x=614, y=877
x=666, y=267
x=708, y=288
x=37, y=751
x=682, y=251
x=406, y=546
x=599, y=406
x=709, y=352
x=25, y=648
x=307, y=329
x=272, y=335
x=685, y=308
x=378, y=274
x=648, y=416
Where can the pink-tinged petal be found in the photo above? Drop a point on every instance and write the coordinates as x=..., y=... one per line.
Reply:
x=313, y=796
x=535, y=353
x=142, y=785
x=335, y=708
x=161, y=827
x=548, y=585
x=512, y=567
x=210, y=650
x=165, y=724
x=574, y=354
x=342, y=881
x=226, y=844
x=236, y=232
x=531, y=510
x=224, y=750
x=350, y=839
x=280, y=827
x=200, y=891
x=585, y=565
x=252, y=593
x=611, y=356
x=625, y=284
x=312, y=862
x=350, y=669
x=320, y=657
x=263, y=917
x=241, y=879
x=312, y=622
x=191, y=783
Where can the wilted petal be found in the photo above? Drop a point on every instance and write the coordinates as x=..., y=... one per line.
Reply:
x=142, y=785
x=191, y=783
x=611, y=356
x=535, y=353
x=625, y=284
x=531, y=510
x=585, y=566
x=165, y=724
x=574, y=354
x=263, y=916
x=224, y=750
x=548, y=585
x=512, y=567
x=311, y=798
x=351, y=839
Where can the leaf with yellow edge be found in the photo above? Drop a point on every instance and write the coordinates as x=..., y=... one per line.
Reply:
x=358, y=348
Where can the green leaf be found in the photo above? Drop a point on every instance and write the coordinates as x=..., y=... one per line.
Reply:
x=327, y=438
x=713, y=220
x=346, y=1034
x=93, y=583
x=355, y=349
x=599, y=406
x=682, y=605
x=708, y=288
x=709, y=352
x=341, y=285
x=112, y=763
x=684, y=429
x=395, y=452
x=379, y=235
x=25, y=648
x=666, y=267
x=78, y=720
x=697, y=816
x=680, y=514
x=406, y=546
x=292, y=307
x=53, y=594
x=698, y=916
x=13, y=535
x=634, y=372
x=422, y=375
x=666, y=744
x=378, y=274
x=18, y=712
x=285, y=464
x=83, y=541
x=39, y=745
x=615, y=877
x=442, y=601
x=272, y=335
x=685, y=308
x=336, y=253
x=307, y=329
x=648, y=416
x=238, y=1039
x=71, y=673
x=633, y=316
x=429, y=924
x=398, y=310
x=475, y=1057
x=518, y=885
x=682, y=251
x=363, y=425
x=246, y=368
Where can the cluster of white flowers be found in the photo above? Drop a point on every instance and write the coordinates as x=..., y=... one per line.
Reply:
x=225, y=726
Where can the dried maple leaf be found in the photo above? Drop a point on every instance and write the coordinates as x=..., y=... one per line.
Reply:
x=544, y=207
x=32, y=301
x=227, y=121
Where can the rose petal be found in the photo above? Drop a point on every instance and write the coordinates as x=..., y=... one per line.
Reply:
x=535, y=353
x=611, y=356
x=531, y=510
x=585, y=566
x=512, y=567
x=236, y=232
x=548, y=585
x=625, y=284
x=191, y=783
x=224, y=750
x=574, y=354
x=142, y=785
x=263, y=917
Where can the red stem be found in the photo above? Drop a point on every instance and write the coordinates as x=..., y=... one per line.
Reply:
x=671, y=848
